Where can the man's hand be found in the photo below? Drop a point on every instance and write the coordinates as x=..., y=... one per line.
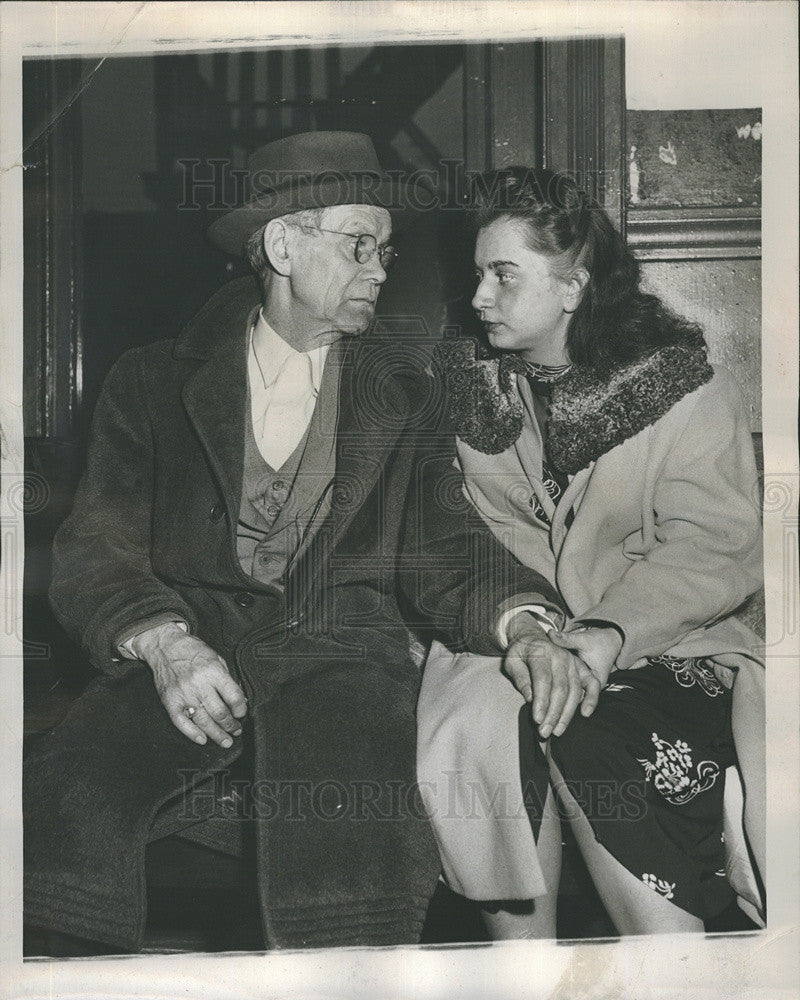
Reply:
x=550, y=677
x=188, y=674
x=598, y=647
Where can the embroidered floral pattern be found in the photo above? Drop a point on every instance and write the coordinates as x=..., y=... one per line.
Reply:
x=691, y=671
x=551, y=486
x=673, y=772
x=659, y=885
x=553, y=491
x=615, y=688
x=538, y=510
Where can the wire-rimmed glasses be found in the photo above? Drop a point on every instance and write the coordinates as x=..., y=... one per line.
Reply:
x=366, y=246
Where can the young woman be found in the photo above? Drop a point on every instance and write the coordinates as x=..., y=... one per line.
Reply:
x=604, y=450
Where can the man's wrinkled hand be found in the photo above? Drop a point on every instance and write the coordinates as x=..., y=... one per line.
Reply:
x=189, y=675
x=552, y=679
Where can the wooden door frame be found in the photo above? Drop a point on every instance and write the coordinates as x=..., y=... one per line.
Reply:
x=556, y=103
x=52, y=245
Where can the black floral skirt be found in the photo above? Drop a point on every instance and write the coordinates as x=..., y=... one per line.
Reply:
x=648, y=770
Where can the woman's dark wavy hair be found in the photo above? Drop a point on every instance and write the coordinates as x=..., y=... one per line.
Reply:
x=616, y=322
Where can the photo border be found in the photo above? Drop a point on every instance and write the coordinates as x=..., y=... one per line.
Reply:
x=753, y=964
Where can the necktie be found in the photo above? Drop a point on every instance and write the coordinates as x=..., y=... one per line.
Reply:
x=554, y=481
x=290, y=409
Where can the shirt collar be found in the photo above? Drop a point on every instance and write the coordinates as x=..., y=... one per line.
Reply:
x=271, y=352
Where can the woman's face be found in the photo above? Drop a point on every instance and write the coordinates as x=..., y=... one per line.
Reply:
x=519, y=298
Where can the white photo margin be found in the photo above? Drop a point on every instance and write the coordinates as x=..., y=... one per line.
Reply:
x=753, y=965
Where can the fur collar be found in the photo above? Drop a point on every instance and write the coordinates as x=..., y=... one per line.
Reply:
x=591, y=412
x=483, y=407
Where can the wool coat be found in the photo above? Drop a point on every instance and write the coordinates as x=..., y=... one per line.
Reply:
x=658, y=532
x=344, y=853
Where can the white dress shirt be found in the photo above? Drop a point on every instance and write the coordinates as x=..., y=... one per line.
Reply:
x=284, y=385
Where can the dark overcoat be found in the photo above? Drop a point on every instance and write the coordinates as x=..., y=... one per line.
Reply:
x=344, y=853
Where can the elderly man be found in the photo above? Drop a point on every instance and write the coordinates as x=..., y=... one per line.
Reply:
x=231, y=567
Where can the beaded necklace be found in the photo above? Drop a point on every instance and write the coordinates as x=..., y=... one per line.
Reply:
x=545, y=373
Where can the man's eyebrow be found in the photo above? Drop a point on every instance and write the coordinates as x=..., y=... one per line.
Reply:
x=360, y=221
x=362, y=229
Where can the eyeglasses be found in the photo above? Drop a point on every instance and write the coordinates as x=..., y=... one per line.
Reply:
x=365, y=247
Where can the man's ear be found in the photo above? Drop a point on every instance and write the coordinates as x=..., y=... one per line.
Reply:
x=576, y=285
x=277, y=240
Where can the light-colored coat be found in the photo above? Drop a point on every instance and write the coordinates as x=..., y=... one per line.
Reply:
x=666, y=536
x=665, y=542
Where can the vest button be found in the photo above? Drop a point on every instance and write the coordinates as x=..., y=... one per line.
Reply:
x=273, y=510
x=216, y=513
x=244, y=599
x=278, y=486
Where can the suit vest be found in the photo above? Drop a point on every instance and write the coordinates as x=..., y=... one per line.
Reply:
x=281, y=509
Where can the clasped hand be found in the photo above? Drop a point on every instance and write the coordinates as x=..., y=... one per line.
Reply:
x=559, y=671
x=188, y=674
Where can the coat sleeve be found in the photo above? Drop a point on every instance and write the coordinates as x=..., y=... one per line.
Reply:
x=705, y=556
x=103, y=583
x=457, y=577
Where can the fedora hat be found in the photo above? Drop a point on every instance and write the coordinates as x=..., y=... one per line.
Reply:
x=309, y=170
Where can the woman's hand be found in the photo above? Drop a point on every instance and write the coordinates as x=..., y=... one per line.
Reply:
x=548, y=676
x=598, y=647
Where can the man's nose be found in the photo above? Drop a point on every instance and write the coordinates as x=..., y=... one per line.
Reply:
x=374, y=270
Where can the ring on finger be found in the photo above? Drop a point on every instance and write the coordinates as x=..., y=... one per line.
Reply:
x=191, y=709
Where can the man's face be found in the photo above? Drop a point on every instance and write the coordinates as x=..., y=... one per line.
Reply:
x=329, y=288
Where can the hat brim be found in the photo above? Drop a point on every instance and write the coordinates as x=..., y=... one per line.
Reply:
x=231, y=231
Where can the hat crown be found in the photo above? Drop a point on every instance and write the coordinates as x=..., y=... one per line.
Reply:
x=309, y=171
x=311, y=154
